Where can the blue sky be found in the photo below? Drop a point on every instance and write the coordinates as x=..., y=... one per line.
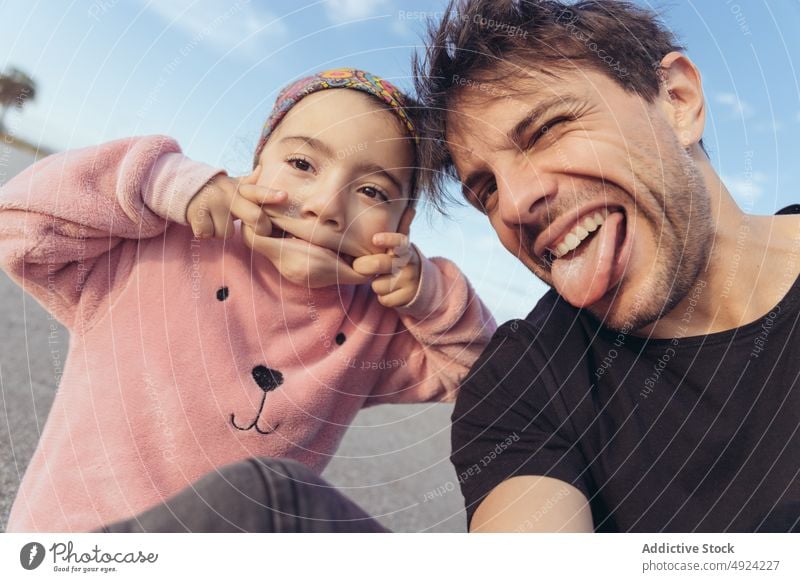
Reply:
x=207, y=71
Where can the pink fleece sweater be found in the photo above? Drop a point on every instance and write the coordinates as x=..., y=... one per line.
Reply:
x=186, y=355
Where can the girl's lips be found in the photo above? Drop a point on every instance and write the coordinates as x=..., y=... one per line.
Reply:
x=303, y=245
x=278, y=232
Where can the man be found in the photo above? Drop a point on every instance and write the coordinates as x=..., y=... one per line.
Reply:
x=655, y=386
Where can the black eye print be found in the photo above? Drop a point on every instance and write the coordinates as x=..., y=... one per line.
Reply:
x=222, y=294
x=340, y=337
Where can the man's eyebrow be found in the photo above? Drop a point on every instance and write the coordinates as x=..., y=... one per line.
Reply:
x=518, y=133
x=311, y=142
x=371, y=168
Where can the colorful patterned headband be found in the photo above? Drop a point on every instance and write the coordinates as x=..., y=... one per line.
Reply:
x=335, y=79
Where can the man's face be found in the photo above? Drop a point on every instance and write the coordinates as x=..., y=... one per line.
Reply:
x=589, y=187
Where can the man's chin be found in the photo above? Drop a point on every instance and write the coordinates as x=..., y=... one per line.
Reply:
x=623, y=312
x=633, y=312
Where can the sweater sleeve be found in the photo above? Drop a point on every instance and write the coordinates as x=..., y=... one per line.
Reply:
x=70, y=223
x=442, y=332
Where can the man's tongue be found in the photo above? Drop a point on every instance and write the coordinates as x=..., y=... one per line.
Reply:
x=583, y=277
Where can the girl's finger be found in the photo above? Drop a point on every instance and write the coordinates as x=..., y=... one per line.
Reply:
x=391, y=240
x=398, y=298
x=385, y=284
x=380, y=264
x=201, y=222
x=267, y=246
x=261, y=194
x=251, y=214
x=398, y=262
x=252, y=178
x=223, y=223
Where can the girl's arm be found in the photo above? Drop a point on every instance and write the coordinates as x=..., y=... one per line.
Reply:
x=443, y=331
x=68, y=224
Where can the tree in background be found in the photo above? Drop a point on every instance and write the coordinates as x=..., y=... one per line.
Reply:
x=16, y=88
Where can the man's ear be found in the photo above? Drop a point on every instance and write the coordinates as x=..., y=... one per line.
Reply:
x=682, y=98
x=404, y=226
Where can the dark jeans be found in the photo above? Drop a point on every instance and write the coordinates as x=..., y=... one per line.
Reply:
x=256, y=495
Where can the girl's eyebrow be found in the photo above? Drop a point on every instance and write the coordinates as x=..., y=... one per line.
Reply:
x=313, y=143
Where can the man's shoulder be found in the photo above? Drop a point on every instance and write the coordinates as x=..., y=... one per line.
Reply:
x=552, y=320
x=550, y=308
x=554, y=334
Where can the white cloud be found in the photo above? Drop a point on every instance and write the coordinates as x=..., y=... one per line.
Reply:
x=400, y=27
x=769, y=126
x=348, y=10
x=737, y=107
x=222, y=24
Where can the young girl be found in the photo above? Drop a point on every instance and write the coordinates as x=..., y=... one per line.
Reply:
x=264, y=340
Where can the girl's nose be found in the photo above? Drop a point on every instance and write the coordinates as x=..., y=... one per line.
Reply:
x=326, y=206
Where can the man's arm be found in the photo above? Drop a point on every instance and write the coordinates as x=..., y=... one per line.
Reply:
x=533, y=504
x=515, y=447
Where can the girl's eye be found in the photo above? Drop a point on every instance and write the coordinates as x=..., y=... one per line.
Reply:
x=373, y=192
x=300, y=164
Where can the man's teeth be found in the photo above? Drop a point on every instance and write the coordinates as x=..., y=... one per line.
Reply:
x=575, y=237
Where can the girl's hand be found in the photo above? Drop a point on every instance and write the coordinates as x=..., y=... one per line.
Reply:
x=302, y=262
x=223, y=199
x=396, y=272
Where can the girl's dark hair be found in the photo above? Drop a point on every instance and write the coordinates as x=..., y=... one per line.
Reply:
x=484, y=41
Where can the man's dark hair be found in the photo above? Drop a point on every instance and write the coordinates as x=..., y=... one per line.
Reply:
x=485, y=41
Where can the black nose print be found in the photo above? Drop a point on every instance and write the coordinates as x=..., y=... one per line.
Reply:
x=267, y=378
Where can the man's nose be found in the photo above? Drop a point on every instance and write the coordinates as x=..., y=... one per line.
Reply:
x=524, y=196
x=326, y=205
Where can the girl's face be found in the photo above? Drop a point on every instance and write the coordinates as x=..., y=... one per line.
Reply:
x=347, y=165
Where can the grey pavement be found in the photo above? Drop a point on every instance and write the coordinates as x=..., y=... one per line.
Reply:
x=393, y=461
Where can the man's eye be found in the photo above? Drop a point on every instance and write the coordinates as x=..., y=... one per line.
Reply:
x=376, y=193
x=545, y=129
x=300, y=164
x=484, y=201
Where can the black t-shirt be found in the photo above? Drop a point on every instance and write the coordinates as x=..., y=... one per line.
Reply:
x=685, y=434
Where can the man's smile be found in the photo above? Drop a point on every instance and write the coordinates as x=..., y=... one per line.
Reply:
x=587, y=251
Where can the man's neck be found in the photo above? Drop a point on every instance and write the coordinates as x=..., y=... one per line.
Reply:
x=753, y=262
